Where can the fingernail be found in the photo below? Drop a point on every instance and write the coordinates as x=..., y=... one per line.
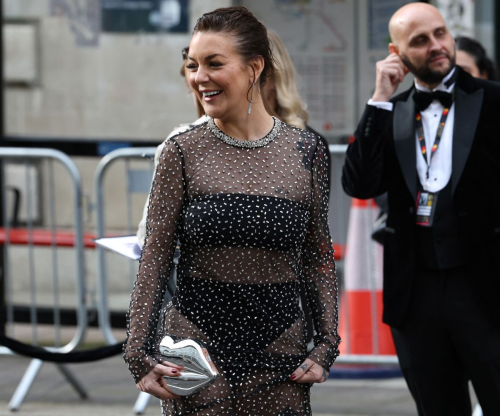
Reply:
x=292, y=377
x=174, y=371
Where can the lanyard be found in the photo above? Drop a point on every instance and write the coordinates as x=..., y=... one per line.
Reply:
x=439, y=134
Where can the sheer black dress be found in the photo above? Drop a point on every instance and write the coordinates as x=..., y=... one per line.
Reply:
x=251, y=217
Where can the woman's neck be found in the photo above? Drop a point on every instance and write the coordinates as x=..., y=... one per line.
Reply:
x=253, y=126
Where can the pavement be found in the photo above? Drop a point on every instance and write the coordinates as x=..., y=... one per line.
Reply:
x=111, y=391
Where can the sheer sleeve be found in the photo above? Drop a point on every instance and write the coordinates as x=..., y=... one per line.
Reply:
x=319, y=266
x=165, y=206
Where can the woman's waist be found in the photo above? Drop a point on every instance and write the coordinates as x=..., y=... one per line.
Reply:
x=239, y=265
x=270, y=299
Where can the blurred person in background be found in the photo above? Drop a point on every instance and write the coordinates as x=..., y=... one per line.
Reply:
x=472, y=58
x=434, y=150
x=247, y=196
x=280, y=94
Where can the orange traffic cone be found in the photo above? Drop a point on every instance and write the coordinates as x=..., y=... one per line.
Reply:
x=361, y=326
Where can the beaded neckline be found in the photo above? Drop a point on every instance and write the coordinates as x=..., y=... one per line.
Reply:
x=269, y=137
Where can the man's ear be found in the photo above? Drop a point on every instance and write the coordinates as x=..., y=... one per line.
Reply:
x=393, y=48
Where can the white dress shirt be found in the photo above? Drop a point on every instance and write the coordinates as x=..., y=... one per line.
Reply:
x=440, y=169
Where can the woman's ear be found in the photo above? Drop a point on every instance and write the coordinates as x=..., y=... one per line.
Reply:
x=256, y=68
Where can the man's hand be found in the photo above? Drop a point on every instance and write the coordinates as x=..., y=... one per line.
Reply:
x=309, y=372
x=390, y=73
x=154, y=384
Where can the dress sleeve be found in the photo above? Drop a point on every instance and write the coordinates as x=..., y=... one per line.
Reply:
x=141, y=229
x=164, y=212
x=319, y=266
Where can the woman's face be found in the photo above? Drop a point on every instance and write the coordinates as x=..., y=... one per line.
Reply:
x=468, y=64
x=218, y=76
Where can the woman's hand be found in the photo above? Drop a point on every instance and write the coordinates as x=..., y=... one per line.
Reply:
x=309, y=372
x=154, y=384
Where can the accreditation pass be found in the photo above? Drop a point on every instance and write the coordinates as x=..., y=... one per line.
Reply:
x=426, y=207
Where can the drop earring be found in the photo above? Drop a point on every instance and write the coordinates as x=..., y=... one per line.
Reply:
x=251, y=100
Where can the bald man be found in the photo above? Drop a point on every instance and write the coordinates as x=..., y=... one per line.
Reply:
x=435, y=149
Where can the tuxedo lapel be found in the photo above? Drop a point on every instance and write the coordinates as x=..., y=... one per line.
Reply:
x=467, y=109
x=404, y=141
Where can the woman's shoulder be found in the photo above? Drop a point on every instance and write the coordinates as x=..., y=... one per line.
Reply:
x=189, y=133
x=310, y=137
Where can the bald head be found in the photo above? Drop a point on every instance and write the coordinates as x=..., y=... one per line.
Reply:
x=423, y=42
x=405, y=19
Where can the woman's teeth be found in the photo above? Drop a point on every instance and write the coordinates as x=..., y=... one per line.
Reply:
x=211, y=93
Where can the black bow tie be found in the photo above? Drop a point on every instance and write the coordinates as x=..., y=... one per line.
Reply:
x=424, y=99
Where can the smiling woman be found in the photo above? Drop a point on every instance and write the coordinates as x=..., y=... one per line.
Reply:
x=247, y=196
x=229, y=59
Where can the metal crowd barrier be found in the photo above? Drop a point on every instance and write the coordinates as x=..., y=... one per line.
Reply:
x=137, y=181
x=41, y=233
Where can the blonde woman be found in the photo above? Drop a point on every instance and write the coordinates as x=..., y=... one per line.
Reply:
x=280, y=95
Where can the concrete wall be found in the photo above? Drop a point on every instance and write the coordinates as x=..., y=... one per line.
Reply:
x=127, y=86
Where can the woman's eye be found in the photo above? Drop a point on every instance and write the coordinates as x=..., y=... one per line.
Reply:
x=215, y=64
x=191, y=66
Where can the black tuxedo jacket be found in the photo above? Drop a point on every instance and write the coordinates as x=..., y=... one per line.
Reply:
x=383, y=159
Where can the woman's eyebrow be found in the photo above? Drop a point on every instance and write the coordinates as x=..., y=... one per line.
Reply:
x=214, y=55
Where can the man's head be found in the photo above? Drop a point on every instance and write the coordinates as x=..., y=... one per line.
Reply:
x=420, y=37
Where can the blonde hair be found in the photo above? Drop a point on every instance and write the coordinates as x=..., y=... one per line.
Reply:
x=289, y=106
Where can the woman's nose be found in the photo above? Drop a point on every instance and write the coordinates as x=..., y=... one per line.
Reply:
x=201, y=76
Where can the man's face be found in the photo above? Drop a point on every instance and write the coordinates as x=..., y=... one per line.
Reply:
x=427, y=48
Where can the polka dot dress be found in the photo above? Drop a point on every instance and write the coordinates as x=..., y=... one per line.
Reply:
x=251, y=218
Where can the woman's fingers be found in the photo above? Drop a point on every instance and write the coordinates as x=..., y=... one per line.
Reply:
x=161, y=392
x=169, y=364
x=309, y=372
x=302, y=370
x=164, y=370
x=154, y=384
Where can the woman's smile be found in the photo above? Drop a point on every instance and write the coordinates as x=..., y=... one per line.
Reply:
x=210, y=95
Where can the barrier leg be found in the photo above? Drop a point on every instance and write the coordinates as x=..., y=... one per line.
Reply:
x=477, y=411
x=141, y=403
x=73, y=381
x=25, y=384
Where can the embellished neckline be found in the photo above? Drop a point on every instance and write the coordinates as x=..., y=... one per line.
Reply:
x=269, y=137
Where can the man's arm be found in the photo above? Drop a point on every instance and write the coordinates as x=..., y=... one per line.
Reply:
x=364, y=174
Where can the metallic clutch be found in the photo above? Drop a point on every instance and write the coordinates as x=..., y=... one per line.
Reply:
x=199, y=370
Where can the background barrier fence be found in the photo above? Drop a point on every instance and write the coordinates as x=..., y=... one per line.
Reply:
x=138, y=181
x=41, y=234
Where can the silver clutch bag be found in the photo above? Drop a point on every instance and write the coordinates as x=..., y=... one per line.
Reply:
x=199, y=370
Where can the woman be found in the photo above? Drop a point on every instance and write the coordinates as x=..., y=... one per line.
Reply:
x=246, y=195
x=472, y=58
